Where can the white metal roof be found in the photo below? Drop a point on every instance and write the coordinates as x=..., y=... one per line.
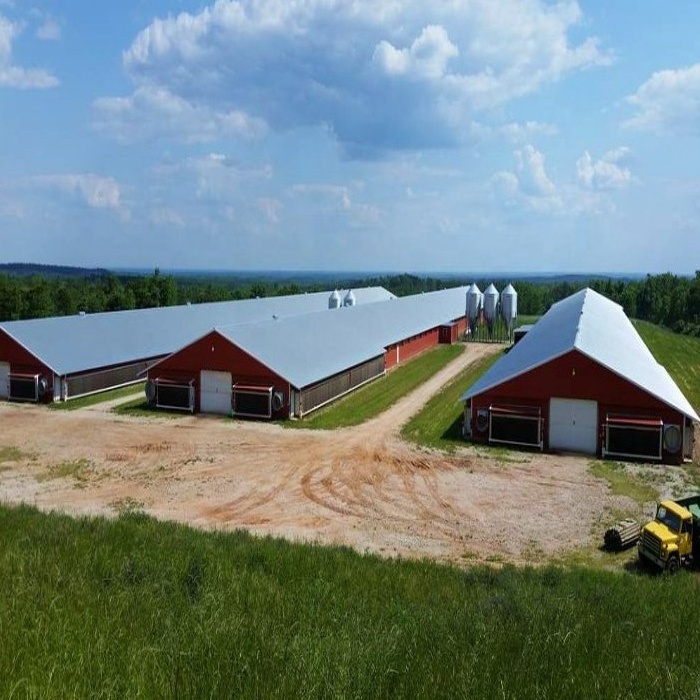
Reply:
x=598, y=328
x=307, y=349
x=72, y=344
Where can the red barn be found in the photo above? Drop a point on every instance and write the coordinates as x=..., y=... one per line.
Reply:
x=582, y=380
x=292, y=366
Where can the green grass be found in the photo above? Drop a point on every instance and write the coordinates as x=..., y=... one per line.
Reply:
x=679, y=354
x=439, y=423
x=140, y=408
x=94, y=399
x=10, y=453
x=623, y=483
x=78, y=469
x=139, y=609
x=371, y=399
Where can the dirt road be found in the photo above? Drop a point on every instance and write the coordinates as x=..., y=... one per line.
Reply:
x=360, y=486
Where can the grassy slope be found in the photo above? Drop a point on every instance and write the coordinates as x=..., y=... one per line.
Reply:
x=439, y=423
x=134, y=608
x=679, y=354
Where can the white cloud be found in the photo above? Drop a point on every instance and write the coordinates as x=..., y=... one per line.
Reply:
x=668, y=102
x=607, y=173
x=14, y=76
x=529, y=186
x=96, y=191
x=49, y=30
x=152, y=112
x=380, y=76
x=427, y=57
x=532, y=176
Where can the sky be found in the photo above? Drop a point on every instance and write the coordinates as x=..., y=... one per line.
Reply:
x=458, y=136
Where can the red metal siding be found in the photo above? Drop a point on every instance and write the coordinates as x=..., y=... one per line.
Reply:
x=23, y=362
x=406, y=349
x=575, y=376
x=214, y=352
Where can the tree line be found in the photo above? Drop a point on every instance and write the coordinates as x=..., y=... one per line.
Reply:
x=668, y=300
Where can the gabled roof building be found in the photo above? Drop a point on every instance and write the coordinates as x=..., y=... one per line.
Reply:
x=291, y=366
x=582, y=380
x=66, y=356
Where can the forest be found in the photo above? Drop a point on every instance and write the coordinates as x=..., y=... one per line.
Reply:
x=667, y=300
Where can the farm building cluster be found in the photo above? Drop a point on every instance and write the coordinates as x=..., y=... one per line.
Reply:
x=580, y=379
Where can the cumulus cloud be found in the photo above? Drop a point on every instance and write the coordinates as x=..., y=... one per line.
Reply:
x=427, y=57
x=668, y=102
x=529, y=186
x=607, y=173
x=96, y=191
x=219, y=177
x=533, y=178
x=14, y=76
x=396, y=75
x=152, y=112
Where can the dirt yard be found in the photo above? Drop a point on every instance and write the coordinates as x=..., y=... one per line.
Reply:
x=362, y=486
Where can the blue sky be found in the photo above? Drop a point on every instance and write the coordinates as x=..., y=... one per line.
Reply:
x=477, y=136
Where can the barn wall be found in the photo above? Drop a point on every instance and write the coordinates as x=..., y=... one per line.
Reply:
x=214, y=352
x=23, y=362
x=321, y=393
x=406, y=349
x=575, y=376
x=105, y=378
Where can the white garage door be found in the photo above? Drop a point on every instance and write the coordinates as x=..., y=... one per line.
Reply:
x=4, y=380
x=573, y=425
x=215, y=392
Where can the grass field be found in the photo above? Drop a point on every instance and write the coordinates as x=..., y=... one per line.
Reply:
x=679, y=354
x=133, y=608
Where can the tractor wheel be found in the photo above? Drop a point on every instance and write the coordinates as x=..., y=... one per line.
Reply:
x=673, y=565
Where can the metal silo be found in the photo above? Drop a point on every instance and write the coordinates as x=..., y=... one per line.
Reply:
x=490, y=305
x=473, y=306
x=509, y=307
x=334, y=300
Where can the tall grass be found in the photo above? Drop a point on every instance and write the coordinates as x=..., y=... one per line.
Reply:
x=134, y=608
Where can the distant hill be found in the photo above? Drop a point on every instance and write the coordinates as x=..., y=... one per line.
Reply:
x=51, y=271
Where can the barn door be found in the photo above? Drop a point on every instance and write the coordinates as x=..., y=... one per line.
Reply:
x=215, y=392
x=573, y=425
x=4, y=380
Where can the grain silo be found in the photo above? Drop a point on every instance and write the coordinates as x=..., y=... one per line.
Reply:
x=473, y=308
x=490, y=306
x=509, y=307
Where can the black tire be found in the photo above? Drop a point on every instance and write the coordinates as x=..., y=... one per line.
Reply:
x=673, y=565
